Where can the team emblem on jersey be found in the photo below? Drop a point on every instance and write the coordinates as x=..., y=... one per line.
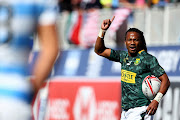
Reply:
x=137, y=61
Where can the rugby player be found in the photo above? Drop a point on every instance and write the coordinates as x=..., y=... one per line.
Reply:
x=136, y=63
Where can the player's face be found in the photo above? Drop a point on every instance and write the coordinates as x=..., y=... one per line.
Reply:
x=133, y=43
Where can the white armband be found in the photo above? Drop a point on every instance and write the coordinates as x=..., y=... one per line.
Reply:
x=158, y=97
x=102, y=33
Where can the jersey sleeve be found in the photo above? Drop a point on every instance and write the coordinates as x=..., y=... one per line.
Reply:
x=47, y=12
x=155, y=68
x=116, y=55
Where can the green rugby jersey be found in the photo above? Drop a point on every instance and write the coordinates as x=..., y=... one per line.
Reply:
x=133, y=71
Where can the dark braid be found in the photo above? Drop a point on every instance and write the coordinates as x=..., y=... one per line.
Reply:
x=143, y=45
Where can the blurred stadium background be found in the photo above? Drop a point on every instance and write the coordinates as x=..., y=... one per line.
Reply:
x=84, y=86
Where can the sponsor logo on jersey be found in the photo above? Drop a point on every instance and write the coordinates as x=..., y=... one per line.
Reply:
x=128, y=76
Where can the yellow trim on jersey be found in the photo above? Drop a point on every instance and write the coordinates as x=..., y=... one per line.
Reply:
x=141, y=51
x=128, y=76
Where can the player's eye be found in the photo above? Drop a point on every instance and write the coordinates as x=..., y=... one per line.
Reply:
x=136, y=39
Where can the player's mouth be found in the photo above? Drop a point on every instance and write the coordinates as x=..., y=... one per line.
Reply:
x=132, y=48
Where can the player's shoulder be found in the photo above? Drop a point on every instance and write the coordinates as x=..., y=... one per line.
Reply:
x=119, y=51
x=147, y=56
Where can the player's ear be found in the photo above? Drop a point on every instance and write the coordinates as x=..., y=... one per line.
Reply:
x=125, y=42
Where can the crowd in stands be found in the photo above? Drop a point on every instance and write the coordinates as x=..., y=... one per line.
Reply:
x=81, y=19
x=70, y=5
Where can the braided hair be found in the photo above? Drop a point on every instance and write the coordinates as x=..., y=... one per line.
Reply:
x=143, y=45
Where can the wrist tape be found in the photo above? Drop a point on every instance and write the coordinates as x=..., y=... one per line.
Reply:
x=101, y=33
x=158, y=97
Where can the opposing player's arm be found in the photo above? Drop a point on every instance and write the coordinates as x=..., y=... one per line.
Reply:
x=49, y=48
x=100, y=48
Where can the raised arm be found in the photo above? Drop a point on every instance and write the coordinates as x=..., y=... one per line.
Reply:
x=100, y=48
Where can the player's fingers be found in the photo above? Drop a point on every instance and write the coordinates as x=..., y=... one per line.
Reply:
x=104, y=23
x=153, y=111
x=112, y=19
x=108, y=21
x=147, y=110
x=150, y=112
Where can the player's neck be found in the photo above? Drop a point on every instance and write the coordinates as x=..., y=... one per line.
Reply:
x=132, y=54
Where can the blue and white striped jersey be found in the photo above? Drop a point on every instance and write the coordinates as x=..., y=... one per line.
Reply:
x=18, y=22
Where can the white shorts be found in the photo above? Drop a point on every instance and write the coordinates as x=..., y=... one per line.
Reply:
x=14, y=109
x=135, y=114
